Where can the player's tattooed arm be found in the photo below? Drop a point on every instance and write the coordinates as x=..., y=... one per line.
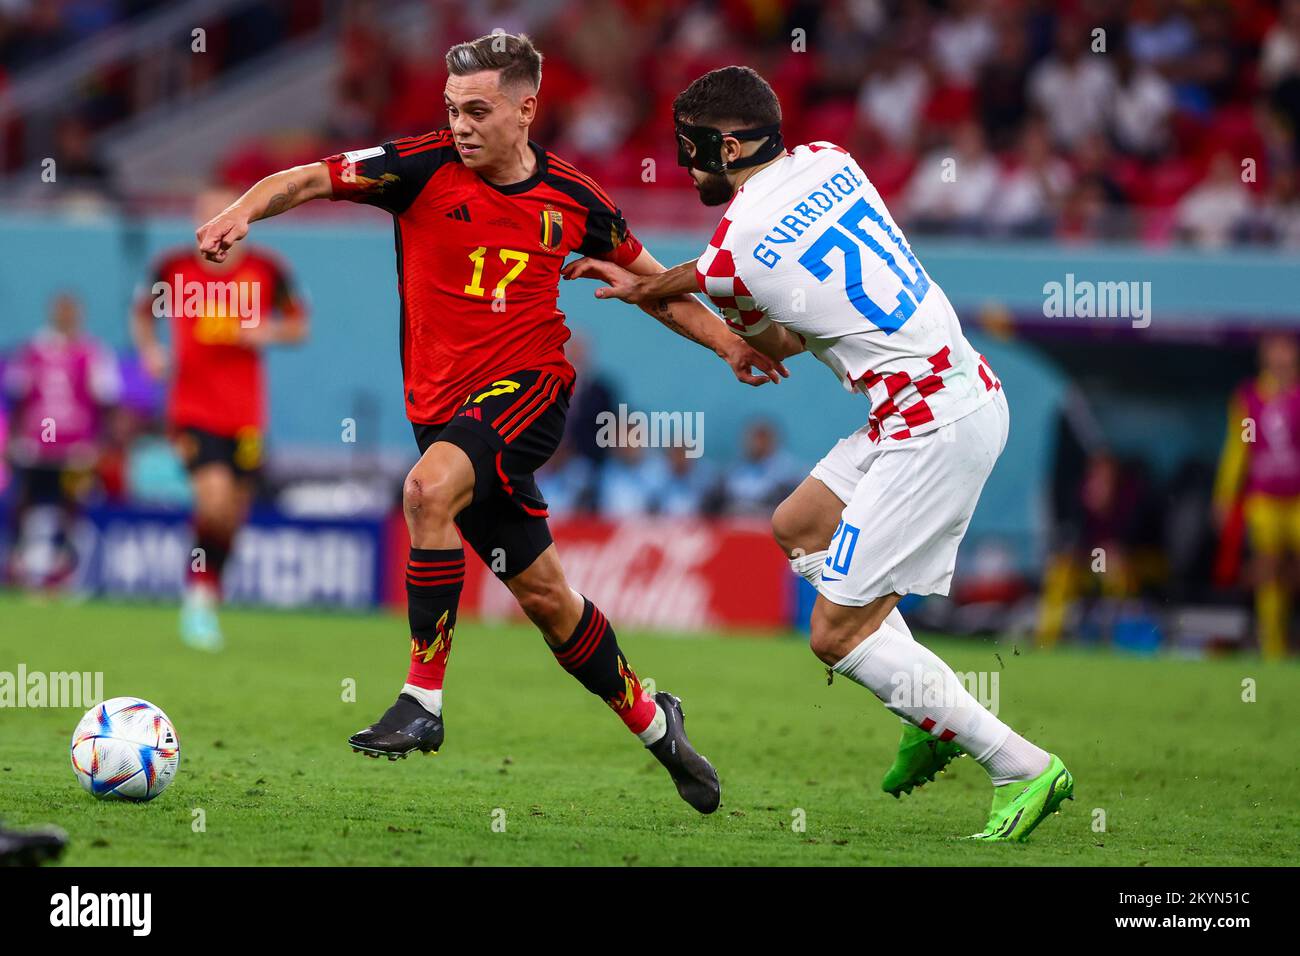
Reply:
x=273, y=195
x=690, y=319
x=662, y=310
x=669, y=295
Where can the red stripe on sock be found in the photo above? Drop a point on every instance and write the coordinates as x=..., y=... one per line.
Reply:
x=437, y=583
x=601, y=629
x=424, y=575
x=578, y=646
x=585, y=644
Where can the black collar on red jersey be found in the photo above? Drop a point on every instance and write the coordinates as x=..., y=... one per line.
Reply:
x=513, y=189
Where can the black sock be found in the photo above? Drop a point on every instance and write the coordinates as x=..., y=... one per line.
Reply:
x=434, y=579
x=214, y=548
x=592, y=656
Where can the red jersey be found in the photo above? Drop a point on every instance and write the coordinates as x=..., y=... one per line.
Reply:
x=217, y=382
x=478, y=265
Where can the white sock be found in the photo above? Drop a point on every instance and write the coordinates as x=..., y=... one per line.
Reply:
x=809, y=566
x=430, y=700
x=895, y=620
x=915, y=684
x=202, y=594
x=658, y=727
x=1016, y=760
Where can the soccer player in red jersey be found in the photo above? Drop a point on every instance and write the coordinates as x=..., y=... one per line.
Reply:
x=484, y=219
x=222, y=315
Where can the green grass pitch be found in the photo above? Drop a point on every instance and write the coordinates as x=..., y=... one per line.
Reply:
x=1184, y=771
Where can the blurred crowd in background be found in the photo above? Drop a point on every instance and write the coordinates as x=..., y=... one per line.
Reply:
x=111, y=447
x=1159, y=120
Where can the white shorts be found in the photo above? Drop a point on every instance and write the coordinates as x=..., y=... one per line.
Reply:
x=907, y=505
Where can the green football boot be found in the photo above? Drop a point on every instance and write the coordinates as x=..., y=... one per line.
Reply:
x=920, y=757
x=1019, y=807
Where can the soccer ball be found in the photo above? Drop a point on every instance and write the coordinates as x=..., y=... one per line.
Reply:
x=125, y=749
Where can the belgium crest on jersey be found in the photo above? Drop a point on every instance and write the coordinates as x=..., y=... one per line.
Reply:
x=552, y=229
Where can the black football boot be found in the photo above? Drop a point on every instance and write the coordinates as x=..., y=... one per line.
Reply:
x=696, y=780
x=31, y=847
x=404, y=728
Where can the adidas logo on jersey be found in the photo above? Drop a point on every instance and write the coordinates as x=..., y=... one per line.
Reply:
x=461, y=212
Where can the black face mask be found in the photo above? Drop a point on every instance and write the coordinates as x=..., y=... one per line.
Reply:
x=700, y=147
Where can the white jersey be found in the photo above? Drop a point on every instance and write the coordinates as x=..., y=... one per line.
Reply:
x=808, y=243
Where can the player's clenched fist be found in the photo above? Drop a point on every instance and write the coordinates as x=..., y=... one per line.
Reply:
x=219, y=233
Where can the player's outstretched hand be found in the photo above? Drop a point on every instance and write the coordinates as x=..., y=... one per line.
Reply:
x=743, y=358
x=620, y=284
x=219, y=233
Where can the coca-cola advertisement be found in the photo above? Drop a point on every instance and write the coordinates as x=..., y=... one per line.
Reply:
x=665, y=574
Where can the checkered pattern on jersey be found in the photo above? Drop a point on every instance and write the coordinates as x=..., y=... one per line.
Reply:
x=716, y=273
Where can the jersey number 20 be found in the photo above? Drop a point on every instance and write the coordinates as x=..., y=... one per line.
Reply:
x=849, y=237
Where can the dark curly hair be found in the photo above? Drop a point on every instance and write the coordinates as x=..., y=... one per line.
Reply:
x=731, y=94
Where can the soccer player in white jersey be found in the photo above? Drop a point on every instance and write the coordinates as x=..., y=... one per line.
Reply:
x=808, y=259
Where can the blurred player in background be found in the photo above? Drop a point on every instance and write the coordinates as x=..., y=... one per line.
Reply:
x=807, y=258
x=1259, y=473
x=60, y=383
x=222, y=315
x=484, y=220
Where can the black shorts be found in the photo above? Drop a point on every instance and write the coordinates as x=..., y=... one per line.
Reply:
x=50, y=484
x=241, y=452
x=508, y=428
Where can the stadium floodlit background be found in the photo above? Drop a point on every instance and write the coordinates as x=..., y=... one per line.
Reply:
x=1151, y=144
